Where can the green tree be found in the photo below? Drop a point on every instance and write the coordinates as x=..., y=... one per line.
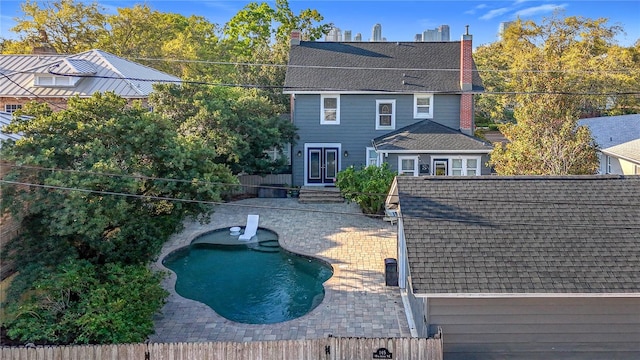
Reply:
x=68, y=26
x=259, y=34
x=367, y=187
x=238, y=124
x=103, y=135
x=554, y=80
x=98, y=194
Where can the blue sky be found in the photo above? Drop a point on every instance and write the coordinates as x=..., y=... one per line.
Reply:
x=400, y=19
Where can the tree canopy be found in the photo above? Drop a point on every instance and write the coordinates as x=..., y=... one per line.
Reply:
x=105, y=185
x=238, y=124
x=552, y=74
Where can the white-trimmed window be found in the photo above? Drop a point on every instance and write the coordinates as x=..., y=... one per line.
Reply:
x=385, y=114
x=372, y=157
x=330, y=109
x=12, y=107
x=422, y=106
x=408, y=165
x=465, y=166
x=609, y=164
x=54, y=81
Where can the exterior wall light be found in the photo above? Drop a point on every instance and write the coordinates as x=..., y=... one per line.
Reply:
x=346, y=153
x=299, y=154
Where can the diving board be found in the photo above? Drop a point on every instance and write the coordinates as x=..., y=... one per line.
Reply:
x=251, y=228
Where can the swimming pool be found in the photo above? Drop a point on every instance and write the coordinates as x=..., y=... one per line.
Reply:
x=255, y=282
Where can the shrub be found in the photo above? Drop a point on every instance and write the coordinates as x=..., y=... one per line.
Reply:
x=367, y=187
x=80, y=303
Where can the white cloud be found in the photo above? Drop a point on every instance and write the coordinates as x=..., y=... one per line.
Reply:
x=495, y=12
x=475, y=8
x=537, y=10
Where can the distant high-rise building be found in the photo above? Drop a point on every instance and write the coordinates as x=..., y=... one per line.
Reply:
x=439, y=34
x=444, y=33
x=376, y=33
x=347, y=35
x=358, y=37
x=418, y=38
x=503, y=26
x=334, y=35
x=430, y=35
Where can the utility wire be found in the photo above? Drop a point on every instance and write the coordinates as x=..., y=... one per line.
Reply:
x=271, y=208
x=305, y=88
x=456, y=198
x=30, y=92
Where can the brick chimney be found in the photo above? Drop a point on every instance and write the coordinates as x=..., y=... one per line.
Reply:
x=296, y=36
x=466, y=84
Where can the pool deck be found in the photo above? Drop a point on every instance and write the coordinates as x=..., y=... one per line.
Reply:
x=357, y=302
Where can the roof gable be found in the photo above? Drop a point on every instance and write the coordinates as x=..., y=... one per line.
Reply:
x=509, y=235
x=409, y=67
x=428, y=135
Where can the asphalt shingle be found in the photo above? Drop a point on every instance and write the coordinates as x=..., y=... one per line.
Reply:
x=522, y=234
x=410, y=67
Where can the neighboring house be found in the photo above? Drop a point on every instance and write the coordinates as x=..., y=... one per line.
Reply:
x=408, y=104
x=617, y=139
x=623, y=159
x=54, y=78
x=522, y=267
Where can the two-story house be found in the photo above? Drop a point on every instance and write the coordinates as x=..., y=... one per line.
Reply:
x=409, y=104
x=54, y=78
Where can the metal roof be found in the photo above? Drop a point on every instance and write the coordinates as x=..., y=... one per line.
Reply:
x=98, y=71
x=5, y=119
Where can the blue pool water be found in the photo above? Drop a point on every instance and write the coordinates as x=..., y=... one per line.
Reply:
x=254, y=283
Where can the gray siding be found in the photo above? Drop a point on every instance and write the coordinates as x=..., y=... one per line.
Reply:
x=357, y=124
x=537, y=328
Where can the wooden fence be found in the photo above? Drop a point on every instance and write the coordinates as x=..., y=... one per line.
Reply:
x=331, y=348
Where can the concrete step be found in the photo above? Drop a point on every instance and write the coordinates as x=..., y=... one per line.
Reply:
x=316, y=194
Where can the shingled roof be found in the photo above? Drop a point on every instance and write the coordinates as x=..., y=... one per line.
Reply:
x=429, y=136
x=409, y=67
x=516, y=235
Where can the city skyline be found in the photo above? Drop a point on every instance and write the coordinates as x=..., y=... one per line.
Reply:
x=401, y=20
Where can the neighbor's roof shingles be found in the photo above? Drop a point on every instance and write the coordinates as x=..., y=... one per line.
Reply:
x=522, y=234
x=409, y=67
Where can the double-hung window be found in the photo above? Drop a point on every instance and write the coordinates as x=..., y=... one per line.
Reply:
x=330, y=109
x=465, y=167
x=408, y=165
x=422, y=106
x=385, y=114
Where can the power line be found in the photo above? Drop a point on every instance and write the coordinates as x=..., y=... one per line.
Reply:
x=376, y=68
x=305, y=88
x=271, y=208
x=456, y=198
x=30, y=92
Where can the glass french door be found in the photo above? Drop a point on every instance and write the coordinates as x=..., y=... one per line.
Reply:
x=322, y=165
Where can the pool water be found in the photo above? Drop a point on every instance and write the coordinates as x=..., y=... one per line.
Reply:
x=254, y=283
